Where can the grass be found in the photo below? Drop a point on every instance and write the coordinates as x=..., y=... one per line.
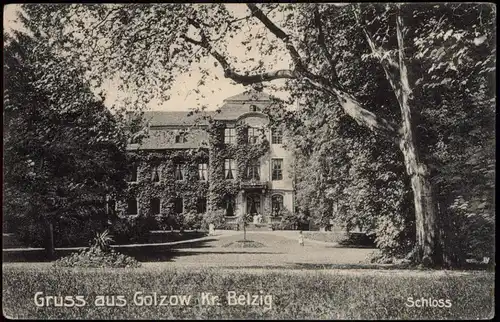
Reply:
x=244, y=244
x=352, y=239
x=308, y=295
x=173, y=236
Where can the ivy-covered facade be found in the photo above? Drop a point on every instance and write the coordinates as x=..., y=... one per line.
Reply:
x=232, y=160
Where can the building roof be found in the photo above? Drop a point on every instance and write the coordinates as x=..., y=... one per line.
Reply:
x=232, y=108
x=158, y=118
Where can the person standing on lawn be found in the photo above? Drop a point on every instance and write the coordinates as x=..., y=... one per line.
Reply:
x=301, y=239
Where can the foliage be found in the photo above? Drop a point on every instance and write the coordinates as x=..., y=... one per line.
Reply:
x=367, y=64
x=132, y=229
x=167, y=189
x=63, y=149
x=288, y=221
x=216, y=217
x=103, y=241
x=368, y=296
x=95, y=257
x=242, y=152
x=193, y=220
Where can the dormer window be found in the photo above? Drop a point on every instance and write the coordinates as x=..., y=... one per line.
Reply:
x=253, y=108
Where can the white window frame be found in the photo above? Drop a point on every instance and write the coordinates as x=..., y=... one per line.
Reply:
x=203, y=169
x=232, y=168
x=272, y=169
x=156, y=169
x=230, y=135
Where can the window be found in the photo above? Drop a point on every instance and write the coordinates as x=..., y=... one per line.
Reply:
x=253, y=135
x=180, y=137
x=229, y=168
x=179, y=171
x=277, y=137
x=229, y=136
x=253, y=170
x=253, y=204
x=111, y=207
x=229, y=206
x=132, y=206
x=132, y=174
x=276, y=204
x=202, y=205
x=155, y=206
x=178, y=205
x=253, y=108
x=203, y=171
x=156, y=174
x=277, y=168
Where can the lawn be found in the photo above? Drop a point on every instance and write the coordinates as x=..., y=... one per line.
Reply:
x=278, y=251
x=279, y=294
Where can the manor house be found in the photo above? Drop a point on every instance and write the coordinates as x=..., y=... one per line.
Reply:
x=264, y=185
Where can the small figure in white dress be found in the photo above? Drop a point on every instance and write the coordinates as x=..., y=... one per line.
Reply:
x=211, y=229
x=301, y=239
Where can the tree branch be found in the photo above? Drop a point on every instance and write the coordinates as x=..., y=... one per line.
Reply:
x=390, y=67
x=321, y=41
x=257, y=13
x=348, y=102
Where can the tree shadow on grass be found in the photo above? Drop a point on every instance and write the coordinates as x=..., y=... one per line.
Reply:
x=142, y=253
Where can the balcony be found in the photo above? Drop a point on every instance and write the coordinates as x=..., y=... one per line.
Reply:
x=253, y=184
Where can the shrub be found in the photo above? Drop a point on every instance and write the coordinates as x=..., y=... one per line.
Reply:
x=133, y=229
x=469, y=233
x=394, y=235
x=98, y=255
x=275, y=226
x=94, y=257
x=193, y=220
x=216, y=217
x=68, y=231
x=288, y=220
x=103, y=241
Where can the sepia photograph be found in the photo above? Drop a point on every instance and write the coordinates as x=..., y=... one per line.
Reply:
x=260, y=161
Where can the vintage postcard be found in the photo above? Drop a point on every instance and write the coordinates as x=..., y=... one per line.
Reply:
x=331, y=161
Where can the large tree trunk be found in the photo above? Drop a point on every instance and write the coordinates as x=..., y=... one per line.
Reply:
x=425, y=204
x=426, y=248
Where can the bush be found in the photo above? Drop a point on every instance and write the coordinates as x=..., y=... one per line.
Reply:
x=394, y=235
x=275, y=226
x=94, y=257
x=216, y=217
x=468, y=233
x=193, y=220
x=288, y=220
x=99, y=254
x=68, y=232
x=133, y=229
